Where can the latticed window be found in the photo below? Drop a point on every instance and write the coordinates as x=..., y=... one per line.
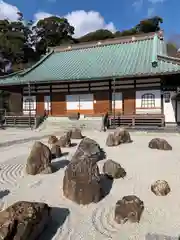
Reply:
x=148, y=100
x=28, y=104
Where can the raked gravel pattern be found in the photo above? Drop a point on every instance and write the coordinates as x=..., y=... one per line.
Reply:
x=96, y=221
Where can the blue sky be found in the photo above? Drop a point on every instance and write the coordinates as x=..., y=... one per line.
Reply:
x=91, y=15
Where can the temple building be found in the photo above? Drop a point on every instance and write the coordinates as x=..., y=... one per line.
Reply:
x=128, y=76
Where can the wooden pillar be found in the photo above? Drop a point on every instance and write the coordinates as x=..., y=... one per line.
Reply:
x=135, y=88
x=29, y=95
x=114, y=103
x=51, y=99
x=22, y=94
x=162, y=102
x=110, y=97
x=89, y=86
x=176, y=106
x=36, y=97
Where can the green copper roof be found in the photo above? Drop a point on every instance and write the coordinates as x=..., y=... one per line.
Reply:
x=12, y=78
x=134, y=57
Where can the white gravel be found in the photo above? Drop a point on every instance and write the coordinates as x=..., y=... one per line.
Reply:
x=95, y=221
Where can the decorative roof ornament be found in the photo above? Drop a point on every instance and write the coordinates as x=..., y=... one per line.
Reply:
x=160, y=34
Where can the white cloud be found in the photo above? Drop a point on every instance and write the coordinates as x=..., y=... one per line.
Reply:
x=137, y=4
x=83, y=22
x=8, y=11
x=151, y=11
x=41, y=15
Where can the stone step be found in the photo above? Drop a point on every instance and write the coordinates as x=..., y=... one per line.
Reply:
x=54, y=124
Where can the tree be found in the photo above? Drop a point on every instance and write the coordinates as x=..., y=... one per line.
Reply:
x=145, y=26
x=149, y=25
x=100, y=34
x=173, y=45
x=172, y=49
x=13, y=38
x=53, y=31
x=24, y=42
x=129, y=32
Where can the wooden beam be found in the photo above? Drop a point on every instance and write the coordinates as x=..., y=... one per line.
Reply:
x=51, y=97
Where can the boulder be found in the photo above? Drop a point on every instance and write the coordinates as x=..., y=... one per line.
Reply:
x=76, y=133
x=129, y=208
x=113, y=169
x=65, y=140
x=24, y=220
x=123, y=134
x=52, y=140
x=56, y=151
x=39, y=160
x=160, y=188
x=82, y=183
x=90, y=148
x=112, y=140
x=160, y=144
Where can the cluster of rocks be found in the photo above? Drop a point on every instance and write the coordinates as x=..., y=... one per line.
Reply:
x=121, y=135
x=39, y=160
x=130, y=208
x=82, y=183
x=27, y=220
x=65, y=139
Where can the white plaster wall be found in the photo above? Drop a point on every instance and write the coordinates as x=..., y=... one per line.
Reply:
x=169, y=109
x=118, y=100
x=156, y=110
x=47, y=103
x=72, y=102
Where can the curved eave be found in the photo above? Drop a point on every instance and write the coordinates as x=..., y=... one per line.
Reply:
x=139, y=75
x=10, y=75
x=24, y=72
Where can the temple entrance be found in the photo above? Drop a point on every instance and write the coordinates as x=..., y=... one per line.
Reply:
x=82, y=103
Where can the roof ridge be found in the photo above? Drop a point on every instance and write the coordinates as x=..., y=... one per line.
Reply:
x=110, y=41
x=170, y=59
x=25, y=71
x=101, y=44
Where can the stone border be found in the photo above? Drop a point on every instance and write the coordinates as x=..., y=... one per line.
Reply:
x=155, y=236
